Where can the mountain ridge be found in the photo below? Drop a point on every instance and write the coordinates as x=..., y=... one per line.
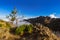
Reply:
x=52, y=23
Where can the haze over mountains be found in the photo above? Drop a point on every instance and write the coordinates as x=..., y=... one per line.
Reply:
x=53, y=15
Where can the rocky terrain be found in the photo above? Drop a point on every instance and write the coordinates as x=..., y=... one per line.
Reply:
x=41, y=33
x=41, y=30
x=51, y=23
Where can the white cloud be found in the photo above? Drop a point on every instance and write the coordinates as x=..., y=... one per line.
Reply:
x=3, y=18
x=53, y=16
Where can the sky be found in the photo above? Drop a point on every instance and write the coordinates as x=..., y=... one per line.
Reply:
x=31, y=8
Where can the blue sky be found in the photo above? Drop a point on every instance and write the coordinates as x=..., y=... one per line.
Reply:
x=31, y=8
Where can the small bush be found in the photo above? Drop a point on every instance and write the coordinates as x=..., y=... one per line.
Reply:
x=30, y=28
x=20, y=29
x=24, y=28
x=0, y=25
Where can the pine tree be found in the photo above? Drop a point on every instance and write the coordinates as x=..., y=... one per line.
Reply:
x=12, y=16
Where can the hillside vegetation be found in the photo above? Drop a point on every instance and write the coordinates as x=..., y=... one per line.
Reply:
x=25, y=32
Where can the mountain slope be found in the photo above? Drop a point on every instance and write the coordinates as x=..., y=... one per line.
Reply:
x=52, y=23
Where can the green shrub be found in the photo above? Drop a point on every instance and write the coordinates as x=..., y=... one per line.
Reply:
x=20, y=29
x=30, y=28
x=0, y=25
x=24, y=28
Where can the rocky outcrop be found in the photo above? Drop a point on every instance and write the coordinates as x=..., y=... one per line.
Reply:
x=52, y=23
x=41, y=33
